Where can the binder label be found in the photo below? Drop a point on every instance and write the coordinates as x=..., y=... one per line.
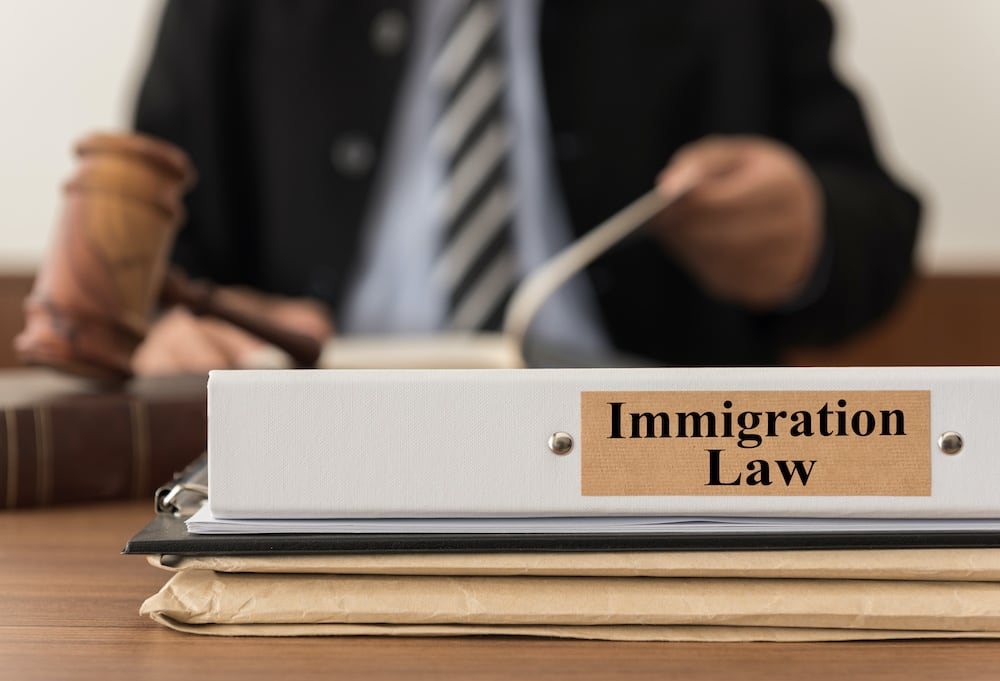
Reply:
x=756, y=443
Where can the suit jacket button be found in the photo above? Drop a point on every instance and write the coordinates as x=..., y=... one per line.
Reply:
x=388, y=32
x=352, y=154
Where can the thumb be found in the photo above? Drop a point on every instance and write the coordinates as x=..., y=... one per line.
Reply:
x=699, y=162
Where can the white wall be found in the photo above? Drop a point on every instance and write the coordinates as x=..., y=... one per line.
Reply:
x=67, y=67
x=929, y=72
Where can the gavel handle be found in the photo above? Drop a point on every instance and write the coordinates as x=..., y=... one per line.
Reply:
x=199, y=297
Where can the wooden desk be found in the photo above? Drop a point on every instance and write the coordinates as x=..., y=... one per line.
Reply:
x=69, y=609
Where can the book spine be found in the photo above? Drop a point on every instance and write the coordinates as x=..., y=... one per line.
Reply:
x=878, y=442
x=99, y=449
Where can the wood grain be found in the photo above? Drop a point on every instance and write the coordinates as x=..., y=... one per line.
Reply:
x=947, y=320
x=69, y=609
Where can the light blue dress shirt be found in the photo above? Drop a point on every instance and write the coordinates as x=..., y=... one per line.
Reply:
x=393, y=291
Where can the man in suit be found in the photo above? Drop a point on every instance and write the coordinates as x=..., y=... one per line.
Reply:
x=791, y=232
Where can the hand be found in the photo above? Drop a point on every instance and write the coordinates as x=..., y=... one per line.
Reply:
x=750, y=228
x=180, y=342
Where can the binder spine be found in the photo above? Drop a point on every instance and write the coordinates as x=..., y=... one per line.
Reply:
x=809, y=442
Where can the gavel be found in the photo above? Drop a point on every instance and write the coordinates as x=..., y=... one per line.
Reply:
x=107, y=270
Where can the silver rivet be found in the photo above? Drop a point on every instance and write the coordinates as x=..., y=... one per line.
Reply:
x=388, y=32
x=950, y=442
x=561, y=443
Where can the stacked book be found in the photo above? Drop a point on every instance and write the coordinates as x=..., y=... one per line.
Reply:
x=630, y=504
x=66, y=440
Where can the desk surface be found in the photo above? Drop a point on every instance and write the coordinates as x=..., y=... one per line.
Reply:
x=69, y=609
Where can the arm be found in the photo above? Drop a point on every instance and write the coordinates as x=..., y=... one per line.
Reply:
x=871, y=221
x=805, y=230
x=188, y=97
x=192, y=97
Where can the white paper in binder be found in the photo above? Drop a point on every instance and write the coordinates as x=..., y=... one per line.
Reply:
x=781, y=442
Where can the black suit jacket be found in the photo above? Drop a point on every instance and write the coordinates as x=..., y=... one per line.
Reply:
x=266, y=96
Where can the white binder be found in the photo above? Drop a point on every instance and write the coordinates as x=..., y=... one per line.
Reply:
x=855, y=443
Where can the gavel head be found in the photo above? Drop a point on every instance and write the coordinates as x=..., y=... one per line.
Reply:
x=95, y=294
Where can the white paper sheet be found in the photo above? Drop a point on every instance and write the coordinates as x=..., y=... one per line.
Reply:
x=203, y=522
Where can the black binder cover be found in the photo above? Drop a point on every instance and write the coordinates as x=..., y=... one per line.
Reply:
x=167, y=534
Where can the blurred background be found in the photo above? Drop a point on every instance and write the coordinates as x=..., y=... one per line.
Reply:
x=926, y=70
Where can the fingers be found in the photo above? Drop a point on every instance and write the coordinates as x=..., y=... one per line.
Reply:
x=717, y=172
x=695, y=164
x=303, y=315
x=749, y=228
x=180, y=342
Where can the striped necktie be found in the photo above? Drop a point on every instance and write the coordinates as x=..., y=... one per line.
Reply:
x=471, y=138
